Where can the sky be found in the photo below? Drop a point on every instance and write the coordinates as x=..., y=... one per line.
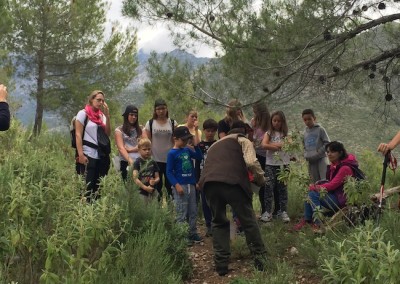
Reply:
x=152, y=38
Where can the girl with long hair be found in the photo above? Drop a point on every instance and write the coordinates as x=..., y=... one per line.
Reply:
x=126, y=138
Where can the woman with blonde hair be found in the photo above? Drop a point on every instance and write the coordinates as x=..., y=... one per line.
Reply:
x=233, y=112
x=92, y=161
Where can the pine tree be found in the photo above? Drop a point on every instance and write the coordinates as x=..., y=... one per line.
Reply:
x=61, y=44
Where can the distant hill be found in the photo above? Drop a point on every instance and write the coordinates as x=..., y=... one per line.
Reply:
x=26, y=111
x=135, y=88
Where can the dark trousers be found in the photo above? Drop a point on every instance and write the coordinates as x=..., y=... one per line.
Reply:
x=261, y=193
x=275, y=190
x=158, y=186
x=206, y=210
x=124, y=172
x=93, y=171
x=218, y=196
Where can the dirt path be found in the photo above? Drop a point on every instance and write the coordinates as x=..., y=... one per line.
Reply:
x=201, y=256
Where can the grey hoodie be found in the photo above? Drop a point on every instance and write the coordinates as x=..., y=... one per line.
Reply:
x=315, y=139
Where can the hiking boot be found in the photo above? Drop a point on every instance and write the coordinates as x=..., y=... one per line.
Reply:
x=222, y=270
x=259, y=264
x=300, y=225
x=196, y=238
x=189, y=242
x=209, y=232
x=266, y=217
x=284, y=217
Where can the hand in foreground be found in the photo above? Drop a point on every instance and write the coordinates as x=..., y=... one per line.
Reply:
x=384, y=148
x=3, y=93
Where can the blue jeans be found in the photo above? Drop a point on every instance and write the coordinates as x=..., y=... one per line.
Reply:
x=186, y=206
x=329, y=201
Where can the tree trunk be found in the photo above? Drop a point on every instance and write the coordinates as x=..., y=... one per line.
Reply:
x=39, y=95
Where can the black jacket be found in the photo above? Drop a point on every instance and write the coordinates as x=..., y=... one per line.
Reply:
x=4, y=116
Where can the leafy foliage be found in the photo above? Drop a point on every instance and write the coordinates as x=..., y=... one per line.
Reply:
x=276, y=50
x=62, y=45
x=49, y=235
x=363, y=257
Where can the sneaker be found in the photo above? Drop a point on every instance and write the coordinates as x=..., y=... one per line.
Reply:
x=266, y=217
x=284, y=217
x=196, y=238
x=209, y=232
x=300, y=225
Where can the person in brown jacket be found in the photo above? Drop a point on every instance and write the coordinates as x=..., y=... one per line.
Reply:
x=225, y=180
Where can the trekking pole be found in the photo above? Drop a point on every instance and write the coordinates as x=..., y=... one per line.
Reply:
x=383, y=179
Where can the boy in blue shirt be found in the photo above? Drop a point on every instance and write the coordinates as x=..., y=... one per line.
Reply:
x=181, y=175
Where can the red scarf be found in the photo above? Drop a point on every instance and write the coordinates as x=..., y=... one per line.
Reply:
x=95, y=115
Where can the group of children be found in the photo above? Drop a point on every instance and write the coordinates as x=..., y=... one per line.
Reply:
x=186, y=159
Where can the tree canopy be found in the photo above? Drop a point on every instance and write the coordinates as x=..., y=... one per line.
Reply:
x=277, y=49
x=62, y=45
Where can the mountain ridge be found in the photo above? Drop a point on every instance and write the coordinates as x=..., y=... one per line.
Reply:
x=27, y=105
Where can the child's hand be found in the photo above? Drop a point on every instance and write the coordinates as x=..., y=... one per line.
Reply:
x=179, y=189
x=149, y=189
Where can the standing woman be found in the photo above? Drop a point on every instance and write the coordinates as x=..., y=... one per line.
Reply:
x=192, y=122
x=233, y=113
x=260, y=124
x=126, y=137
x=91, y=162
x=159, y=130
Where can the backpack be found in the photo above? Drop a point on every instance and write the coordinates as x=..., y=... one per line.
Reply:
x=358, y=174
x=151, y=125
x=72, y=130
x=103, y=142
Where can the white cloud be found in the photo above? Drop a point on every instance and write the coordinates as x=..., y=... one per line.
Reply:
x=152, y=38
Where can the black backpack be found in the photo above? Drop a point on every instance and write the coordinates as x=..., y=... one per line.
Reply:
x=72, y=130
x=151, y=125
x=358, y=174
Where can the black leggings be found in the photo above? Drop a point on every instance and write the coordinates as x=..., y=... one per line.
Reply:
x=93, y=171
x=124, y=172
x=261, y=193
x=163, y=172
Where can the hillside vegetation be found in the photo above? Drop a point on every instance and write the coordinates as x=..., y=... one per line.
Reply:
x=48, y=235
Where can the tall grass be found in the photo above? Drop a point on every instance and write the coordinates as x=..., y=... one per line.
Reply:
x=47, y=235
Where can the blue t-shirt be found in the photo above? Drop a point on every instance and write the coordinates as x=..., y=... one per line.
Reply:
x=180, y=165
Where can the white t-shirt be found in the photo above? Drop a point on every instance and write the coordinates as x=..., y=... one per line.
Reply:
x=161, y=139
x=90, y=134
x=130, y=141
x=276, y=158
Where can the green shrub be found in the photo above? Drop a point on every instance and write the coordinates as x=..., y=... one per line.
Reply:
x=362, y=257
x=48, y=235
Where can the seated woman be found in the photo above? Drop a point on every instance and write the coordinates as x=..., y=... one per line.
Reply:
x=341, y=166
